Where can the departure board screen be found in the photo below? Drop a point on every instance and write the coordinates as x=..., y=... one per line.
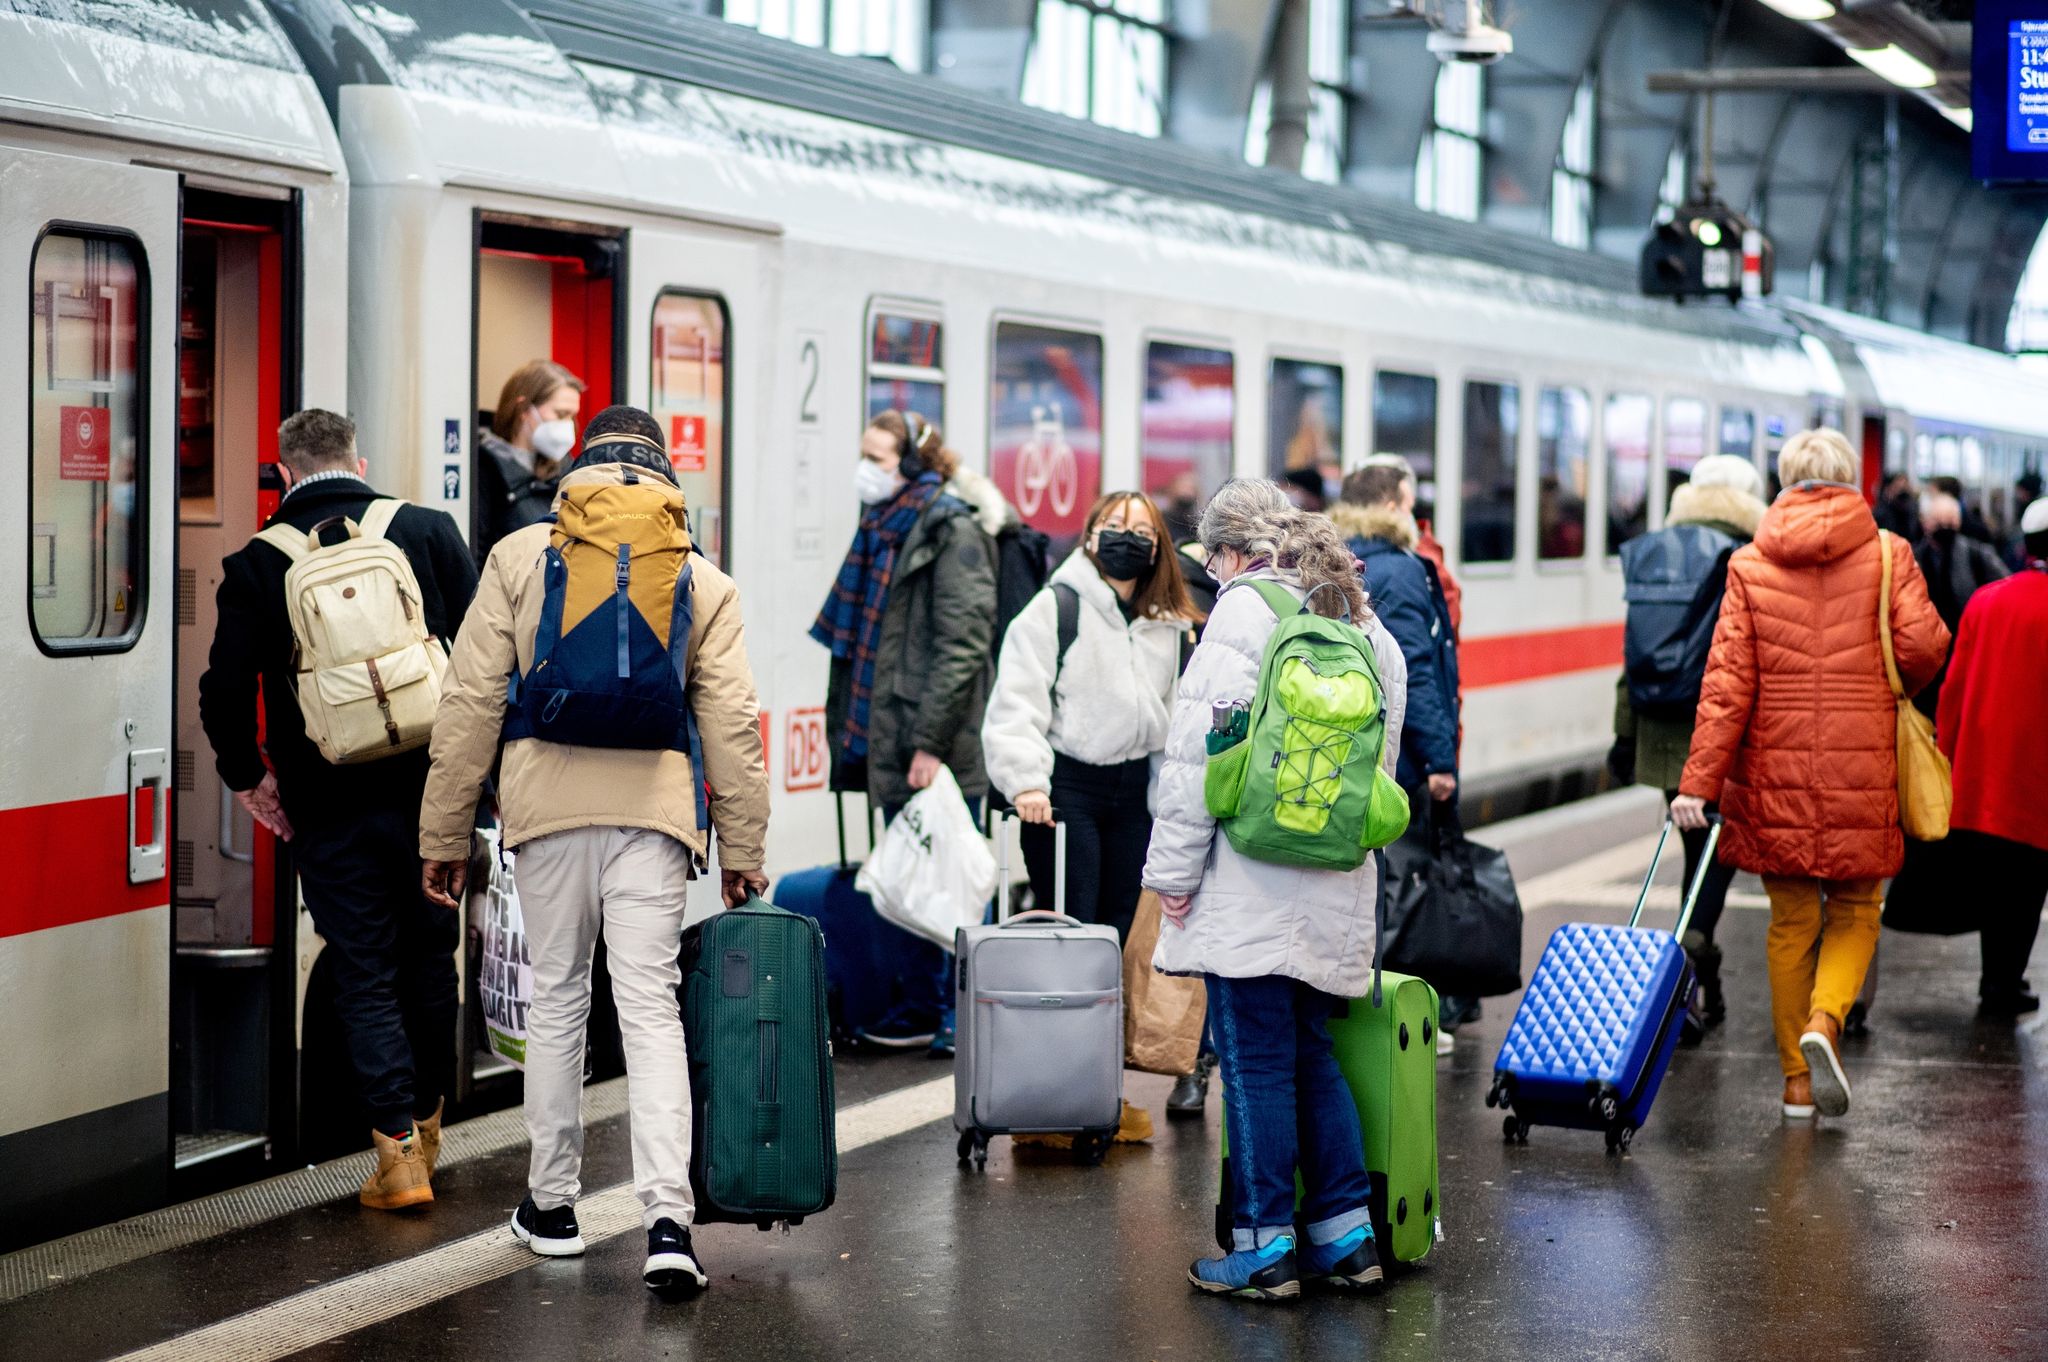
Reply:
x=2008, y=119
x=2026, y=95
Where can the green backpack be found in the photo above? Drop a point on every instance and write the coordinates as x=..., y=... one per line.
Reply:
x=1304, y=784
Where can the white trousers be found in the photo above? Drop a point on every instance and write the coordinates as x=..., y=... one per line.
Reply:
x=632, y=880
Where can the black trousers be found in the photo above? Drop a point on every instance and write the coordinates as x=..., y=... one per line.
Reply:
x=1706, y=914
x=394, y=955
x=1109, y=827
x=2010, y=881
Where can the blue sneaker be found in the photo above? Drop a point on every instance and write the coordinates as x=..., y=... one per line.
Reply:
x=899, y=1029
x=1350, y=1264
x=942, y=1041
x=1266, y=1274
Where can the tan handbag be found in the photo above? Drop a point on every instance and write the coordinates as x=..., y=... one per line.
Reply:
x=1162, y=1012
x=1925, y=794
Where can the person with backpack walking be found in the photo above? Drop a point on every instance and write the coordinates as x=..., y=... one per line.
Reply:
x=1673, y=579
x=910, y=625
x=1955, y=566
x=1796, y=738
x=1999, y=756
x=520, y=458
x=631, y=734
x=1279, y=944
x=351, y=823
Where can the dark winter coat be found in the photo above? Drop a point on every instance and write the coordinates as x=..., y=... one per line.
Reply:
x=253, y=639
x=1956, y=567
x=508, y=496
x=1409, y=599
x=936, y=656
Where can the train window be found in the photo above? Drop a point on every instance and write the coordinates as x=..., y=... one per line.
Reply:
x=906, y=367
x=1493, y=424
x=1305, y=422
x=1564, y=442
x=1738, y=432
x=1685, y=440
x=691, y=400
x=88, y=316
x=1045, y=425
x=1628, y=468
x=1189, y=415
x=1404, y=423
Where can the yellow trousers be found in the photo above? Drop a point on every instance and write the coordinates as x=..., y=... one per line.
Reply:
x=1823, y=933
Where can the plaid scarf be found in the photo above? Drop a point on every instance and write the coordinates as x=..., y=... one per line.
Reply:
x=851, y=622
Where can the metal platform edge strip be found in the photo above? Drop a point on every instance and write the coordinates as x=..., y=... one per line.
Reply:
x=61, y=1262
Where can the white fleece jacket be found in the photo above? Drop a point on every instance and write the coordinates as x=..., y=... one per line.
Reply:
x=1115, y=693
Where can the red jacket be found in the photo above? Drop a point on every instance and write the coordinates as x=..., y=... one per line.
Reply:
x=1797, y=728
x=1993, y=722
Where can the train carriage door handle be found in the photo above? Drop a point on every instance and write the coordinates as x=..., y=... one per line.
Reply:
x=148, y=768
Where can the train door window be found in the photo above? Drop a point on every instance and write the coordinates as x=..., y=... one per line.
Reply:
x=88, y=314
x=1493, y=427
x=691, y=400
x=1628, y=467
x=1305, y=421
x=1685, y=441
x=1738, y=432
x=1564, y=445
x=1404, y=423
x=1045, y=425
x=1776, y=430
x=906, y=366
x=1187, y=426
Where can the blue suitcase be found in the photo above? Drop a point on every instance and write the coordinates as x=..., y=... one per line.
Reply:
x=868, y=962
x=1590, y=1043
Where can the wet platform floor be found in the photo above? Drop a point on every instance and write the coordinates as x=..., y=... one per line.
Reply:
x=1912, y=1228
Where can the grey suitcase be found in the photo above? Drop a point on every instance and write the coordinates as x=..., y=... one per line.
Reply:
x=1040, y=1024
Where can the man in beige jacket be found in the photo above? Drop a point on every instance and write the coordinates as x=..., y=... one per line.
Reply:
x=605, y=835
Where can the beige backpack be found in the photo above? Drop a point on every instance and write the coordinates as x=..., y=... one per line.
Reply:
x=367, y=673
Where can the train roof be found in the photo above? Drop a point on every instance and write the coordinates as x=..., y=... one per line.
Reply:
x=195, y=75
x=1934, y=378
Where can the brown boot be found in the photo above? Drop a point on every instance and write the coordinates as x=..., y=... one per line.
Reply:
x=1821, y=1044
x=430, y=1137
x=1799, y=1098
x=401, y=1177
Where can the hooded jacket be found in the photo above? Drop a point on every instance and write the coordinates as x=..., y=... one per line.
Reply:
x=1796, y=730
x=1408, y=597
x=548, y=787
x=1662, y=743
x=1249, y=919
x=1112, y=697
x=934, y=660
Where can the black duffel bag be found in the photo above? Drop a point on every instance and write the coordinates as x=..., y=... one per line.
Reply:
x=1452, y=914
x=1931, y=894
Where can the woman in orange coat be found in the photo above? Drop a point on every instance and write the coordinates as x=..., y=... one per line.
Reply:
x=1796, y=742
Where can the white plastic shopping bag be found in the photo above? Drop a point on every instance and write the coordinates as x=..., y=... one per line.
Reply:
x=505, y=986
x=932, y=873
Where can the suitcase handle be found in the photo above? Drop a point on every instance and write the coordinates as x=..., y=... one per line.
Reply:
x=1699, y=879
x=1042, y=915
x=1059, y=863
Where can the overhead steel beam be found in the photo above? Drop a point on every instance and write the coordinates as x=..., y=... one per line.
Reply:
x=1830, y=80
x=1528, y=98
x=981, y=44
x=1214, y=62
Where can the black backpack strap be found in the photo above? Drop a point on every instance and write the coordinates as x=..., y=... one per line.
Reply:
x=1068, y=602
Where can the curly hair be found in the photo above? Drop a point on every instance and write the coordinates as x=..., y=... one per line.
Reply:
x=1254, y=516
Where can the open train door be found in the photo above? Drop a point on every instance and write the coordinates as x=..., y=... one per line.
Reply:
x=89, y=288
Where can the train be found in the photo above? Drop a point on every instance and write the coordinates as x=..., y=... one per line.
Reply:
x=216, y=212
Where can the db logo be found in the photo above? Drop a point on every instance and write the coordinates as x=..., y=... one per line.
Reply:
x=808, y=757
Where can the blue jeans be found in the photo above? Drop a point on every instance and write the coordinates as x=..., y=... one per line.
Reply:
x=1288, y=1105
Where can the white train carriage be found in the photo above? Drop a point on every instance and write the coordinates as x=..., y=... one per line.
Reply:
x=762, y=245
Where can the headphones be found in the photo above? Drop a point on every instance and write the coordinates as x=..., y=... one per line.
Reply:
x=916, y=431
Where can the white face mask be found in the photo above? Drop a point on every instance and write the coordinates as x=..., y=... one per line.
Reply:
x=872, y=483
x=553, y=439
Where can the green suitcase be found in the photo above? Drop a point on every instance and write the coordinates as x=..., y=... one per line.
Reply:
x=1386, y=1045
x=763, y=1143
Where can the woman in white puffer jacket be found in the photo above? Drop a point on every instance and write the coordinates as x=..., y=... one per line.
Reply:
x=1277, y=945
x=1076, y=735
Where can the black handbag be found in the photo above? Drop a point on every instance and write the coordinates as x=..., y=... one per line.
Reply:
x=1931, y=894
x=1452, y=915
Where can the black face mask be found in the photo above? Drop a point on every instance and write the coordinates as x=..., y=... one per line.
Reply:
x=1124, y=555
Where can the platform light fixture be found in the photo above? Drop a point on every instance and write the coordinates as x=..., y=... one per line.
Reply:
x=1806, y=11
x=1896, y=65
x=1962, y=117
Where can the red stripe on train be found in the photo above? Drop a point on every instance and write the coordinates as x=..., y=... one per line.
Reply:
x=1504, y=659
x=68, y=863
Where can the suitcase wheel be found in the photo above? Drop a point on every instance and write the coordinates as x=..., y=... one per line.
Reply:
x=1618, y=1138
x=1091, y=1150
x=972, y=1144
x=1514, y=1130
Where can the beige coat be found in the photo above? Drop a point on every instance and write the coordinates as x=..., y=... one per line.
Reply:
x=550, y=787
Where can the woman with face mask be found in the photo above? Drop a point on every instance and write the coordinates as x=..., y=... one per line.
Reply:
x=520, y=457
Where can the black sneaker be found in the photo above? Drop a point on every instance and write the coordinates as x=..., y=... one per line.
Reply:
x=551, y=1234
x=671, y=1262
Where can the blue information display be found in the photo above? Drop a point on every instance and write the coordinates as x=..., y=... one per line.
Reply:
x=2026, y=94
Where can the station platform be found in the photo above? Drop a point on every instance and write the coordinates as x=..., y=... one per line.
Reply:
x=1914, y=1227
